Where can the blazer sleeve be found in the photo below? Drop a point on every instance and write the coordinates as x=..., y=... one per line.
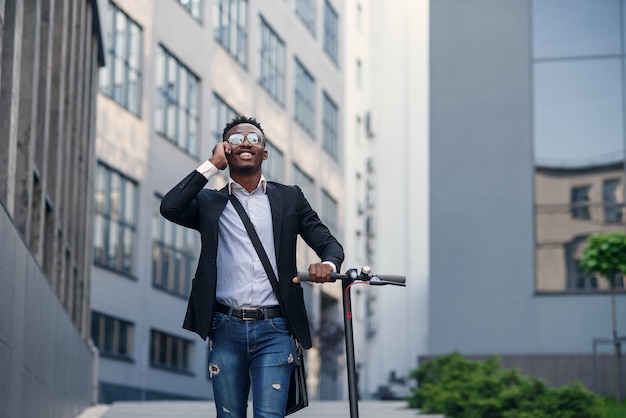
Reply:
x=317, y=235
x=180, y=204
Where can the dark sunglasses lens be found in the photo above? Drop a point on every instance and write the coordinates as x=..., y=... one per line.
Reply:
x=236, y=139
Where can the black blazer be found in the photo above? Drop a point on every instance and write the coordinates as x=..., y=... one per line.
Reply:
x=191, y=205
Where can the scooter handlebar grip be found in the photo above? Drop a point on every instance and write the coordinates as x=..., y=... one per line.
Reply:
x=304, y=276
x=392, y=278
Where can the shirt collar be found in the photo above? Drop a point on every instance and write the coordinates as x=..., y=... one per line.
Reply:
x=233, y=184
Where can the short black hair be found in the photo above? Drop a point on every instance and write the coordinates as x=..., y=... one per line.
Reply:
x=238, y=121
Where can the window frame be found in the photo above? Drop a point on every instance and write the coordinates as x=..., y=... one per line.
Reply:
x=195, y=12
x=109, y=73
x=186, y=347
x=276, y=158
x=272, y=55
x=306, y=10
x=177, y=97
x=331, y=32
x=100, y=340
x=224, y=32
x=330, y=126
x=172, y=281
x=122, y=225
x=304, y=97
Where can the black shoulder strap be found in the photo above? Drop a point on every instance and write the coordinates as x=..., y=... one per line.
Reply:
x=256, y=241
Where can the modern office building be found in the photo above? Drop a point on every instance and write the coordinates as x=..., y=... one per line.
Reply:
x=527, y=142
x=496, y=135
x=177, y=71
x=386, y=177
x=49, y=59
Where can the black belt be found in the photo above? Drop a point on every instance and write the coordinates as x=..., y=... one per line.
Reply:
x=250, y=313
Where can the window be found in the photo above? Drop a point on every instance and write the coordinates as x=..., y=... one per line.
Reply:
x=177, y=102
x=273, y=166
x=115, y=218
x=121, y=78
x=574, y=101
x=222, y=113
x=305, y=98
x=611, y=199
x=174, y=254
x=306, y=11
x=578, y=125
x=194, y=7
x=329, y=211
x=272, y=68
x=580, y=202
x=584, y=280
x=305, y=182
x=230, y=23
x=170, y=352
x=331, y=30
x=565, y=29
x=329, y=126
x=112, y=336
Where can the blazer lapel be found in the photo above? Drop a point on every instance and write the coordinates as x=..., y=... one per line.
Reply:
x=276, y=205
x=217, y=209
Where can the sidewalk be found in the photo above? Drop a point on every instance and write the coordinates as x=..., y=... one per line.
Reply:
x=183, y=409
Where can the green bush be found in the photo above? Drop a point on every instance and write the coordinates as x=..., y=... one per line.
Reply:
x=460, y=388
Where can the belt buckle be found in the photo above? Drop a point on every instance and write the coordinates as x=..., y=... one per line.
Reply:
x=249, y=314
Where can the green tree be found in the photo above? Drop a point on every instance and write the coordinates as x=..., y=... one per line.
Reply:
x=605, y=255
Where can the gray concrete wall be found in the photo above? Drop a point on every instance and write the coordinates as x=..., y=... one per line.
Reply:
x=46, y=369
x=482, y=298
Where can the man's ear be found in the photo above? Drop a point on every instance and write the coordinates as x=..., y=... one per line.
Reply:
x=265, y=154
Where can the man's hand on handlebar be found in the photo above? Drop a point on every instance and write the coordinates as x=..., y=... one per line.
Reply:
x=318, y=272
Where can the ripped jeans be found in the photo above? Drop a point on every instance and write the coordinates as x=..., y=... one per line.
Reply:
x=260, y=353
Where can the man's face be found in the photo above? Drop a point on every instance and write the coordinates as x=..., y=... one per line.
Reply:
x=246, y=157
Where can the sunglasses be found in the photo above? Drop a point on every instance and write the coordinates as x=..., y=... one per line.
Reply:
x=253, y=139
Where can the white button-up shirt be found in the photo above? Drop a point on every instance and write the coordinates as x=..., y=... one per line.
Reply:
x=241, y=279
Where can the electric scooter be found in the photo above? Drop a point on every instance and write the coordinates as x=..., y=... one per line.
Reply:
x=351, y=277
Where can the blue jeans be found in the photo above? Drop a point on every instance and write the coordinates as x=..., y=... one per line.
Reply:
x=258, y=352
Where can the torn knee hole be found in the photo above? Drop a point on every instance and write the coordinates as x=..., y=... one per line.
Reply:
x=213, y=370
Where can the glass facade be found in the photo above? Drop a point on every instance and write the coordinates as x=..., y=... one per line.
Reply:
x=579, y=118
x=231, y=27
x=194, y=7
x=170, y=352
x=174, y=254
x=112, y=336
x=273, y=166
x=329, y=211
x=177, y=104
x=121, y=78
x=330, y=126
x=305, y=182
x=307, y=11
x=331, y=32
x=115, y=220
x=221, y=114
x=304, y=91
x=272, y=68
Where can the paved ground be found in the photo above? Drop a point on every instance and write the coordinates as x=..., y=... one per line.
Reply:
x=317, y=409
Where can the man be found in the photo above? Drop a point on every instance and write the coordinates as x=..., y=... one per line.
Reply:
x=251, y=330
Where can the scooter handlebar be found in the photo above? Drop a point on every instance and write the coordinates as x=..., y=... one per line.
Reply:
x=382, y=279
x=304, y=276
x=375, y=279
